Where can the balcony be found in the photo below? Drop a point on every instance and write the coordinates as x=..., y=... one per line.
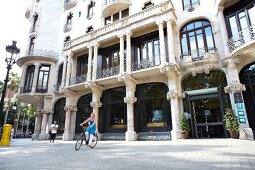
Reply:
x=67, y=27
x=199, y=57
x=25, y=89
x=41, y=89
x=137, y=18
x=77, y=80
x=114, y=6
x=243, y=42
x=143, y=64
x=69, y=4
x=108, y=72
x=37, y=54
x=28, y=12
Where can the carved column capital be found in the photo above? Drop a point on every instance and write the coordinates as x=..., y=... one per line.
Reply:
x=47, y=111
x=70, y=108
x=172, y=94
x=170, y=68
x=96, y=104
x=93, y=86
x=234, y=87
x=130, y=100
x=68, y=92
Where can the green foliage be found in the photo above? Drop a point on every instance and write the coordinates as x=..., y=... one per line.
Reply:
x=231, y=119
x=184, y=124
x=14, y=80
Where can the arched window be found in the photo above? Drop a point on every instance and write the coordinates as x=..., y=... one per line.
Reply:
x=196, y=38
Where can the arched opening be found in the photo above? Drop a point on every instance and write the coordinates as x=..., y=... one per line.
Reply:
x=114, y=111
x=84, y=110
x=196, y=39
x=60, y=114
x=205, y=103
x=247, y=77
x=152, y=109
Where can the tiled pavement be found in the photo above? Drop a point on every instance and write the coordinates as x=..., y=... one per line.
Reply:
x=24, y=154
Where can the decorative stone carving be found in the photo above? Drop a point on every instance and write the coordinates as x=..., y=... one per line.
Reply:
x=237, y=59
x=70, y=108
x=47, y=111
x=170, y=67
x=96, y=104
x=201, y=69
x=68, y=92
x=235, y=87
x=224, y=63
x=130, y=100
x=174, y=94
x=93, y=86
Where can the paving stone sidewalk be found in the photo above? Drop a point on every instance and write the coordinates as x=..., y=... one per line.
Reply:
x=205, y=154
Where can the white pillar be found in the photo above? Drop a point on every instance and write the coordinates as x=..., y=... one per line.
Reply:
x=36, y=72
x=170, y=39
x=94, y=76
x=73, y=123
x=64, y=72
x=121, y=53
x=89, y=64
x=128, y=63
x=224, y=33
x=38, y=124
x=162, y=43
x=66, y=134
x=130, y=134
x=43, y=135
x=23, y=77
x=68, y=71
x=50, y=120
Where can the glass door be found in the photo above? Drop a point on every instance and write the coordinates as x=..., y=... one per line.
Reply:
x=208, y=118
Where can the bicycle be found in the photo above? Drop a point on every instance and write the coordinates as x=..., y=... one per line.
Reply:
x=82, y=138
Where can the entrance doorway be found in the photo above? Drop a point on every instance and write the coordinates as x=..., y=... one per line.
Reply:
x=206, y=116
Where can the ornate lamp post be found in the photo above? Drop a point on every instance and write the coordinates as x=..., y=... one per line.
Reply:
x=11, y=54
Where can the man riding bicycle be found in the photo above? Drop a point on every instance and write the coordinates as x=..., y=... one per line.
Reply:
x=91, y=129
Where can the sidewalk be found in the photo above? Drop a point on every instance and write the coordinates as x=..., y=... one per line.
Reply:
x=182, y=154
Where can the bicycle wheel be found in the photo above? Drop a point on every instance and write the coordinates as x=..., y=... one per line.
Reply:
x=94, y=141
x=79, y=143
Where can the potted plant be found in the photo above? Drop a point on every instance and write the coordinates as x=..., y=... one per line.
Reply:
x=184, y=126
x=232, y=124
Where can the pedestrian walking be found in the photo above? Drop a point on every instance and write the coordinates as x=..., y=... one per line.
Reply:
x=53, y=131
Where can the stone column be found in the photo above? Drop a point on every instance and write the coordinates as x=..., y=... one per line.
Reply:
x=37, y=66
x=234, y=87
x=43, y=135
x=73, y=123
x=129, y=60
x=23, y=77
x=89, y=64
x=223, y=29
x=130, y=99
x=94, y=76
x=64, y=72
x=121, y=36
x=50, y=121
x=162, y=43
x=38, y=124
x=68, y=71
x=170, y=39
x=67, y=133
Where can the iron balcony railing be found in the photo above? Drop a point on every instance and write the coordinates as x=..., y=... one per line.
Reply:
x=67, y=26
x=243, y=37
x=77, y=79
x=26, y=89
x=198, y=54
x=190, y=7
x=67, y=1
x=108, y=72
x=143, y=64
x=41, y=89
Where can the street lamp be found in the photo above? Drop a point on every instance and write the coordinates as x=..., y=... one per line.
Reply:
x=12, y=52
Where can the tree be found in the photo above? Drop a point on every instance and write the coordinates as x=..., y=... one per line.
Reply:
x=27, y=113
x=13, y=84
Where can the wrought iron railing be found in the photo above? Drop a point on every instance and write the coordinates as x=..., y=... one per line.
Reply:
x=67, y=1
x=108, y=72
x=77, y=79
x=27, y=89
x=40, y=52
x=67, y=26
x=143, y=64
x=190, y=7
x=57, y=87
x=243, y=37
x=198, y=54
x=41, y=89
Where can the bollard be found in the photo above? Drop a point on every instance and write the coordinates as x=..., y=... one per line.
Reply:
x=6, y=135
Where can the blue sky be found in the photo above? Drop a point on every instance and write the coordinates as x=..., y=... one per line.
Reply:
x=14, y=26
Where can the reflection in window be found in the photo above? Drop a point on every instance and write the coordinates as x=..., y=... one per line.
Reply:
x=29, y=79
x=91, y=9
x=153, y=107
x=31, y=46
x=190, y=5
x=117, y=16
x=196, y=39
x=43, y=78
x=33, y=29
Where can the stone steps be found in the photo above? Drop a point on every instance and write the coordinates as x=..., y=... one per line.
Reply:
x=154, y=136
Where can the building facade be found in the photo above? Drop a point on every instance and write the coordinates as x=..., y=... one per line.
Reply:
x=139, y=64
